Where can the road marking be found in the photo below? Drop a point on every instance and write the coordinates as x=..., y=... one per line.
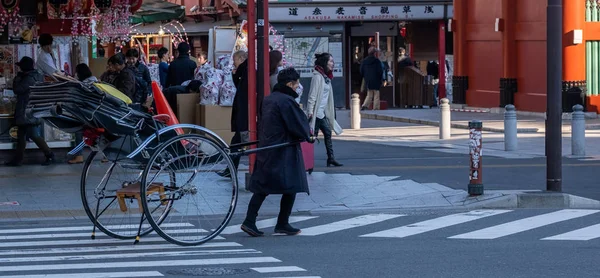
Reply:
x=139, y=264
x=88, y=228
x=277, y=269
x=92, y=275
x=359, y=221
x=81, y=242
x=267, y=223
x=41, y=251
x=586, y=233
x=298, y=277
x=131, y=255
x=434, y=224
x=525, y=224
x=69, y=235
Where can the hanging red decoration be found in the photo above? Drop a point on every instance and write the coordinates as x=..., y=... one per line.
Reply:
x=59, y=9
x=9, y=13
x=135, y=5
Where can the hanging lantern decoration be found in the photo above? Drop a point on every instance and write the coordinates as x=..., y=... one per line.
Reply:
x=112, y=17
x=9, y=14
x=81, y=24
x=135, y=5
x=59, y=9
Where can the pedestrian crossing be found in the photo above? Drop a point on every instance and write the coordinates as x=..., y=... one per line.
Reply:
x=369, y=225
x=67, y=251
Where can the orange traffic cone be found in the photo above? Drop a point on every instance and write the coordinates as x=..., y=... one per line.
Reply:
x=163, y=107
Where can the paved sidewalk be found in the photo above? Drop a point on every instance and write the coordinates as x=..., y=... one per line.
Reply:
x=491, y=121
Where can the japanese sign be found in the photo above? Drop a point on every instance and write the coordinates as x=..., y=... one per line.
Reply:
x=355, y=13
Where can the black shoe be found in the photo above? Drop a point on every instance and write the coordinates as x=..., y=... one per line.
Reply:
x=224, y=174
x=49, y=160
x=252, y=230
x=287, y=229
x=363, y=108
x=332, y=161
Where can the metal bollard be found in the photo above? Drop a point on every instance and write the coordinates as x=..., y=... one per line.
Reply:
x=578, y=131
x=475, y=171
x=445, y=132
x=355, y=112
x=510, y=128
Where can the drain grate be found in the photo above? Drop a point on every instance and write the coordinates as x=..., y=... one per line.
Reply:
x=208, y=271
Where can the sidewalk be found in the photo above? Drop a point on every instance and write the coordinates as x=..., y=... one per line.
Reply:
x=493, y=122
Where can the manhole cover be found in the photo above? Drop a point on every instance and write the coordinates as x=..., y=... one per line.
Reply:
x=208, y=271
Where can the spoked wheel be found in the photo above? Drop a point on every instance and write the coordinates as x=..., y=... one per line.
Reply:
x=202, y=201
x=109, y=192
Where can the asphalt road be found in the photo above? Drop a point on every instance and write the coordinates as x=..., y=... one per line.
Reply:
x=425, y=166
x=530, y=243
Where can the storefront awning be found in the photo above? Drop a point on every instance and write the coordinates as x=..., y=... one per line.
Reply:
x=156, y=11
x=190, y=27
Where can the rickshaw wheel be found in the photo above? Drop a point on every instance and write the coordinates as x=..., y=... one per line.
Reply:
x=107, y=203
x=203, y=201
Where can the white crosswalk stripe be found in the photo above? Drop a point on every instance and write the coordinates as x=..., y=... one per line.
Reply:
x=34, y=252
x=587, y=233
x=434, y=224
x=267, y=223
x=348, y=224
x=525, y=224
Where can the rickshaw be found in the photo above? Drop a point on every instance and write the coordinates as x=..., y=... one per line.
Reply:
x=145, y=173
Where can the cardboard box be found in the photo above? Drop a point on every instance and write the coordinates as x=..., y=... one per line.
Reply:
x=186, y=107
x=225, y=134
x=214, y=117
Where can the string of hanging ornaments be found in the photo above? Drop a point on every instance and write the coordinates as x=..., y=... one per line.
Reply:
x=9, y=13
x=111, y=17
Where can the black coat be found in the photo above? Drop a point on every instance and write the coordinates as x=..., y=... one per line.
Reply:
x=281, y=171
x=21, y=87
x=372, y=71
x=239, y=111
x=181, y=70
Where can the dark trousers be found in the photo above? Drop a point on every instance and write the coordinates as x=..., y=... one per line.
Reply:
x=285, y=208
x=239, y=137
x=323, y=125
x=35, y=133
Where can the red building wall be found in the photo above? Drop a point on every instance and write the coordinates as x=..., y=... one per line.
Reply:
x=486, y=56
x=530, y=35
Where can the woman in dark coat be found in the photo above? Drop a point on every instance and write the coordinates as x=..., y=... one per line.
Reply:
x=279, y=171
x=27, y=127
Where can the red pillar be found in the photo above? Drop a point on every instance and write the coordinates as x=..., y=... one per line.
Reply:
x=251, y=77
x=265, y=49
x=442, y=59
x=573, y=54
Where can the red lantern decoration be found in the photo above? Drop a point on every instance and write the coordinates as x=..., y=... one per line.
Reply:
x=59, y=8
x=403, y=32
x=135, y=5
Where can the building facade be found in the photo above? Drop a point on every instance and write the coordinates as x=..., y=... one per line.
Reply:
x=500, y=53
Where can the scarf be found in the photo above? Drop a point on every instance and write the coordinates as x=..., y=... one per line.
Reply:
x=284, y=89
x=322, y=72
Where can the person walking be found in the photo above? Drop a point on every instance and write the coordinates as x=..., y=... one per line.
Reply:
x=83, y=74
x=372, y=71
x=182, y=68
x=279, y=171
x=27, y=127
x=239, y=111
x=320, y=108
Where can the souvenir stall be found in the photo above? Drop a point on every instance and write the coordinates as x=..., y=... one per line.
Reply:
x=73, y=25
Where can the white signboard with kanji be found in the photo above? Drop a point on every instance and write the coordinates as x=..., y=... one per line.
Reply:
x=314, y=13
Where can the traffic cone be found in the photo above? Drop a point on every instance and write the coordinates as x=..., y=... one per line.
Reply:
x=163, y=107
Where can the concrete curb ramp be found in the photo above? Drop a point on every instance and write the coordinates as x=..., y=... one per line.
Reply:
x=538, y=200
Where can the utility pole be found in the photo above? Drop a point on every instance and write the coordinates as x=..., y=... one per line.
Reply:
x=554, y=67
x=251, y=21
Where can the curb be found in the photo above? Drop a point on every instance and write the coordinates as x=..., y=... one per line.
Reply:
x=437, y=123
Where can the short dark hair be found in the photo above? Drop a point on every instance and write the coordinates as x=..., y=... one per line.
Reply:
x=194, y=85
x=322, y=59
x=45, y=39
x=83, y=71
x=183, y=48
x=275, y=57
x=117, y=59
x=288, y=75
x=132, y=53
x=162, y=52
